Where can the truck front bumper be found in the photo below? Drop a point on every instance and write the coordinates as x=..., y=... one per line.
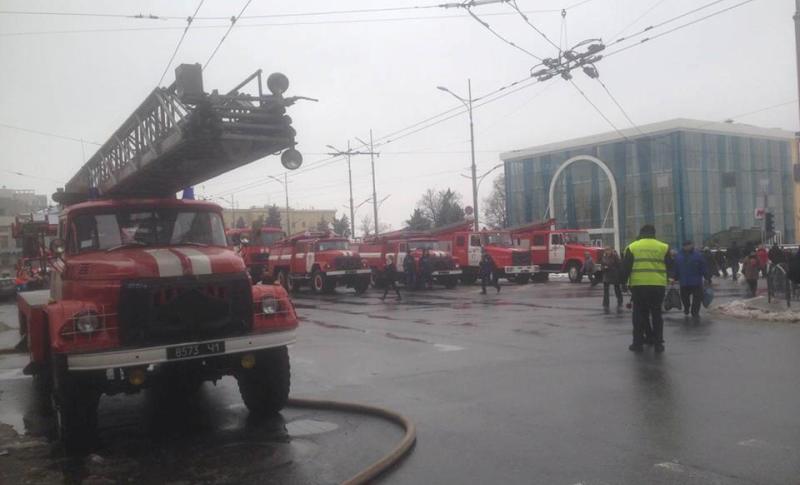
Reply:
x=348, y=272
x=521, y=269
x=447, y=272
x=157, y=355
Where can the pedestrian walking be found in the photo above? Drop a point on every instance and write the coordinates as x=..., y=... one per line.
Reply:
x=722, y=262
x=611, y=266
x=750, y=271
x=589, y=267
x=390, y=275
x=644, y=266
x=734, y=255
x=488, y=273
x=711, y=265
x=776, y=255
x=410, y=270
x=763, y=259
x=689, y=270
x=426, y=269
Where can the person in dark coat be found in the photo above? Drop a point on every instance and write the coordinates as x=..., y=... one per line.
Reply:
x=776, y=255
x=409, y=268
x=390, y=275
x=426, y=269
x=711, y=265
x=690, y=270
x=794, y=268
x=488, y=273
x=611, y=266
x=734, y=254
x=722, y=263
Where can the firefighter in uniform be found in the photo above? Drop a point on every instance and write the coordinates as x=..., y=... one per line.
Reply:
x=645, y=267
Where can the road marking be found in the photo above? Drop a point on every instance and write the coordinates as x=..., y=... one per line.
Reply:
x=12, y=375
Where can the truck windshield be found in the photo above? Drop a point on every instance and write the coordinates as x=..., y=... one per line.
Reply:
x=266, y=238
x=581, y=238
x=412, y=245
x=146, y=227
x=496, y=239
x=333, y=246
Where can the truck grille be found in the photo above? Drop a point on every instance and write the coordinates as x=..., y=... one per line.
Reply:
x=261, y=257
x=441, y=264
x=521, y=258
x=183, y=309
x=347, y=262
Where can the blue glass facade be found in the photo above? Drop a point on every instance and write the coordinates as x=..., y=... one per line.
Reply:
x=689, y=183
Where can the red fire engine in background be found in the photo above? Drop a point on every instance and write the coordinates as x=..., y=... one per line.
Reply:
x=556, y=250
x=467, y=246
x=444, y=269
x=321, y=260
x=253, y=245
x=143, y=286
x=34, y=232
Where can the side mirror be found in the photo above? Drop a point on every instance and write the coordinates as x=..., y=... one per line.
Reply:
x=244, y=241
x=57, y=247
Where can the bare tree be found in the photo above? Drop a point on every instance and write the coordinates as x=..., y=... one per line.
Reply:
x=366, y=226
x=441, y=207
x=494, y=206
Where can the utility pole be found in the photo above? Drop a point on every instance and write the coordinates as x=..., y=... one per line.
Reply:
x=349, y=153
x=374, y=192
x=468, y=104
x=796, y=144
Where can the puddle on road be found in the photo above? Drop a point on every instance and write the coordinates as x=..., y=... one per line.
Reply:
x=308, y=427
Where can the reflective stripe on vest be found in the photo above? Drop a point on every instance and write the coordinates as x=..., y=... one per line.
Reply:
x=648, y=263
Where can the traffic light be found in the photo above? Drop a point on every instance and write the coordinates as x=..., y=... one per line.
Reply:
x=769, y=223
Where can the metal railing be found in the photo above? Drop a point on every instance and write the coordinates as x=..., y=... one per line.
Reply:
x=780, y=287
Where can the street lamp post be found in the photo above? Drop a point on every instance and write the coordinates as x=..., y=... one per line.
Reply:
x=468, y=103
x=285, y=183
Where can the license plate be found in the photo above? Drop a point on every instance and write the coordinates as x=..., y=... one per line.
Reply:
x=351, y=271
x=195, y=350
x=444, y=272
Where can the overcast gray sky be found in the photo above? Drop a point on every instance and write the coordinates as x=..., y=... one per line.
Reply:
x=378, y=71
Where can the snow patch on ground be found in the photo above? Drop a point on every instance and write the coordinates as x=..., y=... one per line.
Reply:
x=758, y=309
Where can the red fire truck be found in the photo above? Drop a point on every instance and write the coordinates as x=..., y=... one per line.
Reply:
x=34, y=232
x=143, y=286
x=443, y=267
x=322, y=260
x=557, y=250
x=467, y=246
x=253, y=245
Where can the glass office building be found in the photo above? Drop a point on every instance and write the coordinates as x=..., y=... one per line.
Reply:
x=689, y=178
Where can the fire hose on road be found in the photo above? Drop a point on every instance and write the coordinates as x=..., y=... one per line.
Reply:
x=386, y=461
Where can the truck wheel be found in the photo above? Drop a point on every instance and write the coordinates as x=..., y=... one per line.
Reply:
x=75, y=400
x=318, y=283
x=540, y=277
x=469, y=278
x=361, y=285
x=292, y=286
x=283, y=279
x=450, y=282
x=574, y=273
x=265, y=387
x=522, y=279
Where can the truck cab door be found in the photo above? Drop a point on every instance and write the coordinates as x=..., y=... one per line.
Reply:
x=474, y=251
x=556, y=250
x=402, y=250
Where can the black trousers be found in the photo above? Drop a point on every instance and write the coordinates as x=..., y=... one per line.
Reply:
x=695, y=293
x=390, y=285
x=489, y=279
x=647, y=321
x=734, y=269
x=752, y=286
x=617, y=292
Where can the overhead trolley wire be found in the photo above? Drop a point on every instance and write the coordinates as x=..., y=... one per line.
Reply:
x=225, y=35
x=180, y=41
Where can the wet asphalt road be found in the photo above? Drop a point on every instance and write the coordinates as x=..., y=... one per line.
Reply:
x=534, y=385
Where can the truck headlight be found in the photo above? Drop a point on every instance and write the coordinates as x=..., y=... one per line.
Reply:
x=87, y=322
x=269, y=306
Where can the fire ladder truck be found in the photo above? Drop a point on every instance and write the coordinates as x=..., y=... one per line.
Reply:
x=144, y=289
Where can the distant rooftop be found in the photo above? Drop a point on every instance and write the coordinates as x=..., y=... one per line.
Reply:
x=678, y=124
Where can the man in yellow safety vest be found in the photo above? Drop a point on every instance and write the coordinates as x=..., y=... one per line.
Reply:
x=645, y=268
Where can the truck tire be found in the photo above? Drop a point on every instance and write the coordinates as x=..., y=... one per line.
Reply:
x=469, y=278
x=75, y=399
x=574, y=272
x=540, y=277
x=283, y=279
x=292, y=286
x=450, y=282
x=318, y=282
x=522, y=279
x=265, y=387
x=361, y=285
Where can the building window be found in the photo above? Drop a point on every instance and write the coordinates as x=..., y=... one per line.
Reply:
x=728, y=180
